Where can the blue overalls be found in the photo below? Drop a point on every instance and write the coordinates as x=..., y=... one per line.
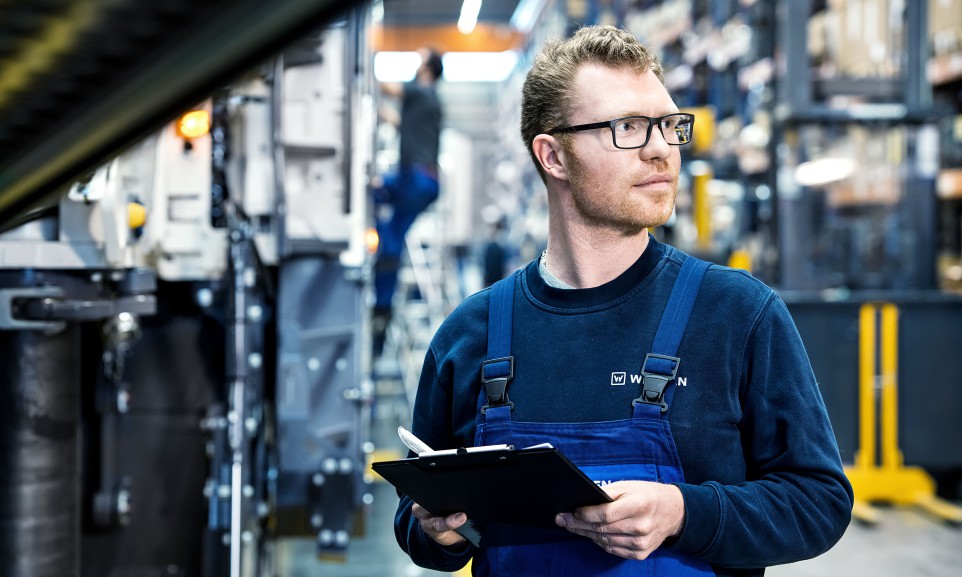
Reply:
x=638, y=448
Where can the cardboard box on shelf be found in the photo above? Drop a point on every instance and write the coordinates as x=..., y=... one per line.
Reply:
x=864, y=37
x=945, y=41
x=945, y=16
x=877, y=178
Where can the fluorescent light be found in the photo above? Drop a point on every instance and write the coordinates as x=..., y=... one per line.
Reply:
x=469, y=16
x=479, y=66
x=396, y=66
x=526, y=14
x=458, y=66
x=822, y=171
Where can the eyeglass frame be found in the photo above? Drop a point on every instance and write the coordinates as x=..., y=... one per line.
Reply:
x=610, y=124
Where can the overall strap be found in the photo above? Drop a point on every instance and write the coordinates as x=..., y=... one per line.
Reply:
x=661, y=364
x=498, y=370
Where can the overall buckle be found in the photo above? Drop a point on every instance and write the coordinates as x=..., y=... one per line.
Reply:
x=654, y=381
x=495, y=374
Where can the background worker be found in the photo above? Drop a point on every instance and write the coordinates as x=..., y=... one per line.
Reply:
x=740, y=470
x=406, y=193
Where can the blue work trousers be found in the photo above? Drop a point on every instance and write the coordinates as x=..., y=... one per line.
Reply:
x=409, y=192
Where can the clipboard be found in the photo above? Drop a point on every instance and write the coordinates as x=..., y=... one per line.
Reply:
x=518, y=487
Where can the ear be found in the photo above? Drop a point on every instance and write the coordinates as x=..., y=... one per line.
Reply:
x=549, y=152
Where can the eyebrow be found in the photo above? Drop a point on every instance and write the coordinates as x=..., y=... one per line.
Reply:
x=663, y=113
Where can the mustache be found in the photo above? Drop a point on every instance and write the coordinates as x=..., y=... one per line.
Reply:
x=659, y=166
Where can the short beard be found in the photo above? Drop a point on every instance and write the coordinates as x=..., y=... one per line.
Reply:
x=621, y=217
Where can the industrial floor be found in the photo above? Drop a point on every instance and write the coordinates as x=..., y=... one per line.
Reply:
x=904, y=542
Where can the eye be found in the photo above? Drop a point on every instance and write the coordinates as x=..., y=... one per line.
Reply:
x=627, y=125
x=670, y=123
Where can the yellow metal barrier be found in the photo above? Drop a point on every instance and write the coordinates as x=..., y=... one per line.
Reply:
x=740, y=258
x=701, y=174
x=891, y=482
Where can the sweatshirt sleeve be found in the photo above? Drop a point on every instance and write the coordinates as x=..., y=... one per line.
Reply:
x=432, y=425
x=796, y=501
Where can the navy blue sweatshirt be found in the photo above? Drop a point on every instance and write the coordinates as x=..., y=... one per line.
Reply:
x=764, y=482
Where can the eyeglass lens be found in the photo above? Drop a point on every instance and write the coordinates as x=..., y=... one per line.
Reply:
x=634, y=131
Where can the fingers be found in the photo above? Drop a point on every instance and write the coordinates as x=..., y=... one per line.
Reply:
x=630, y=544
x=614, y=533
x=639, y=519
x=439, y=528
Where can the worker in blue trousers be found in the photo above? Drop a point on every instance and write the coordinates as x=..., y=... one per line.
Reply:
x=681, y=388
x=407, y=192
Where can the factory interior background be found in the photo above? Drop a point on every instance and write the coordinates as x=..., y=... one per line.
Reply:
x=187, y=378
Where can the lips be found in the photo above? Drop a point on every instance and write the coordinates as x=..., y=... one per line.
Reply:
x=658, y=179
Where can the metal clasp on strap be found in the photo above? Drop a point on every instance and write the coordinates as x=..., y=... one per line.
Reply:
x=656, y=375
x=495, y=374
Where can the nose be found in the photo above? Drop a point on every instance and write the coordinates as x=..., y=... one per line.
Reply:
x=657, y=146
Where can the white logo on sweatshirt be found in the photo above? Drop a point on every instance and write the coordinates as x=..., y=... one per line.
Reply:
x=622, y=378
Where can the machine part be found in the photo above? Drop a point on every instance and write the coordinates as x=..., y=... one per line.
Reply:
x=46, y=308
x=148, y=61
x=50, y=308
x=137, y=281
x=174, y=372
x=187, y=222
x=235, y=462
x=113, y=508
x=39, y=452
x=122, y=332
x=10, y=320
x=146, y=381
x=319, y=412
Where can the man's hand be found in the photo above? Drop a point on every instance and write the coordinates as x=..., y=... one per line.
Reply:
x=441, y=529
x=642, y=515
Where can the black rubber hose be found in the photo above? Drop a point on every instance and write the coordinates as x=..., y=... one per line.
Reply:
x=39, y=448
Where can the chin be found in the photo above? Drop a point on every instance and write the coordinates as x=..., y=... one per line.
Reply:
x=658, y=216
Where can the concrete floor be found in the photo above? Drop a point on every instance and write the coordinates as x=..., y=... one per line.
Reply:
x=904, y=542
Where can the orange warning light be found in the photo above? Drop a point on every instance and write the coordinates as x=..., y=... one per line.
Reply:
x=194, y=124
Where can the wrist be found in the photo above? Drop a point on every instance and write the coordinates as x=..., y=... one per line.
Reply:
x=678, y=511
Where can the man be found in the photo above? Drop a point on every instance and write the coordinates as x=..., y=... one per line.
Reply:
x=721, y=461
x=406, y=193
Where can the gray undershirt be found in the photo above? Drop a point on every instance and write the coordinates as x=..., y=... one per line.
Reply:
x=550, y=279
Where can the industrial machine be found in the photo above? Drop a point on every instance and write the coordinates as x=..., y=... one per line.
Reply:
x=182, y=344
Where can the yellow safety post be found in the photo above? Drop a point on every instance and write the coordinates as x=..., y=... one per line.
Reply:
x=701, y=175
x=740, y=258
x=891, y=482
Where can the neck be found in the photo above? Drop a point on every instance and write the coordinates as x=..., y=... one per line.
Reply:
x=586, y=258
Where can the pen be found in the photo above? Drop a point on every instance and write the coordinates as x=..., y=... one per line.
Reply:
x=412, y=442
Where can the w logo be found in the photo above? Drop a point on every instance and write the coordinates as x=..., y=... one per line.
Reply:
x=619, y=379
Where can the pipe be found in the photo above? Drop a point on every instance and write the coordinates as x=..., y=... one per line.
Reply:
x=39, y=453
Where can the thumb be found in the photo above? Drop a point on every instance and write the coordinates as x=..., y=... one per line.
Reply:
x=440, y=524
x=455, y=520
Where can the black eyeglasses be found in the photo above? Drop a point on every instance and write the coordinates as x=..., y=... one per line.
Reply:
x=634, y=131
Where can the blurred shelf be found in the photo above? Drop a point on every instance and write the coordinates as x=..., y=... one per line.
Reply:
x=945, y=68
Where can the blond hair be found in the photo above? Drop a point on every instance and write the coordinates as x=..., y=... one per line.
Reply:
x=546, y=97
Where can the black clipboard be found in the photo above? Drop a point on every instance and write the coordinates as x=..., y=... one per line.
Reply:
x=518, y=487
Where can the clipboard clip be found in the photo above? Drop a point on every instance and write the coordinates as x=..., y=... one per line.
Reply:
x=495, y=375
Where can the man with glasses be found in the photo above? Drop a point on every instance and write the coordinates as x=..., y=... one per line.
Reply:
x=682, y=389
